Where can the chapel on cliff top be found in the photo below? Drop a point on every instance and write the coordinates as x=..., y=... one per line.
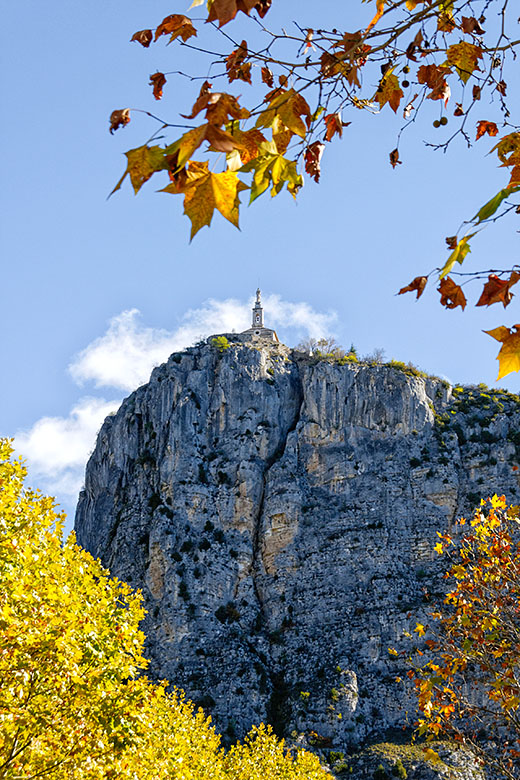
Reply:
x=257, y=330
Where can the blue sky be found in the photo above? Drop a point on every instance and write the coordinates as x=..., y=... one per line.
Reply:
x=74, y=263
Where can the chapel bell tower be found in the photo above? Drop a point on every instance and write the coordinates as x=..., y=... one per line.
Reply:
x=258, y=332
x=258, y=312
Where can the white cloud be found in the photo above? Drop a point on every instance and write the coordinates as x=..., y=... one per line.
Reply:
x=56, y=448
x=125, y=354
x=299, y=317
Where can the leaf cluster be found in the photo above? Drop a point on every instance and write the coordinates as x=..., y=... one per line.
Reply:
x=408, y=55
x=414, y=51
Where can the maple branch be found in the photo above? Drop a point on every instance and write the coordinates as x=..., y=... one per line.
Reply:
x=162, y=121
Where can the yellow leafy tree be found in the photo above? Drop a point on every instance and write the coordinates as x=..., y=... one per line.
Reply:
x=470, y=687
x=74, y=701
x=262, y=756
x=70, y=645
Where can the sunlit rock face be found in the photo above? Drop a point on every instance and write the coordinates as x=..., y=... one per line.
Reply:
x=279, y=514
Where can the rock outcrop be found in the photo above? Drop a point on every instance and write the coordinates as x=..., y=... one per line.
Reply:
x=279, y=513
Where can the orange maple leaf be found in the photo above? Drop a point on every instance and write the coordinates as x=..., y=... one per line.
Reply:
x=246, y=141
x=451, y=294
x=445, y=21
x=498, y=290
x=157, y=81
x=144, y=37
x=219, y=106
x=313, y=155
x=418, y=284
x=178, y=25
x=471, y=25
x=236, y=65
x=394, y=158
x=224, y=11
x=267, y=76
x=486, y=127
x=334, y=124
x=434, y=76
x=119, y=118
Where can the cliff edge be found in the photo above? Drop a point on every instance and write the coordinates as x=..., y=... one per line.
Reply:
x=279, y=514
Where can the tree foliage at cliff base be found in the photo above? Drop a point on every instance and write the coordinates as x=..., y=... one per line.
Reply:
x=469, y=688
x=74, y=700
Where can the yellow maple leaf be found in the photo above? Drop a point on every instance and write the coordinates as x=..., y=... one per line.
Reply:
x=457, y=256
x=498, y=502
x=290, y=107
x=142, y=163
x=180, y=151
x=464, y=57
x=509, y=355
x=379, y=13
x=439, y=548
x=419, y=628
x=205, y=191
x=389, y=91
x=271, y=168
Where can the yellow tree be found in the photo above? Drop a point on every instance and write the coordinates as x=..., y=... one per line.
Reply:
x=470, y=686
x=70, y=645
x=74, y=701
x=262, y=756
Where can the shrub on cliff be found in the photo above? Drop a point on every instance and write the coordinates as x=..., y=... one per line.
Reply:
x=328, y=349
x=74, y=700
x=220, y=343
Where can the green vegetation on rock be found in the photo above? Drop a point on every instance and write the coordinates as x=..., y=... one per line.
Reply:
x=220, y=343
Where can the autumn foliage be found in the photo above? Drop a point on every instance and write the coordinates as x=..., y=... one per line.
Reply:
x=301, y=86
x=75, y=702
x=416, y=51
x=469, y=689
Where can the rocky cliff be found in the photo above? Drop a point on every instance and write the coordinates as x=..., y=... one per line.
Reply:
x=279, y=513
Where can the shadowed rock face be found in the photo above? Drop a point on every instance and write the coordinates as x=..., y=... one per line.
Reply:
x=279, y=515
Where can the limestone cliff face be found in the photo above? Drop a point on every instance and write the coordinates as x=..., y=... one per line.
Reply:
x=279, y=514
